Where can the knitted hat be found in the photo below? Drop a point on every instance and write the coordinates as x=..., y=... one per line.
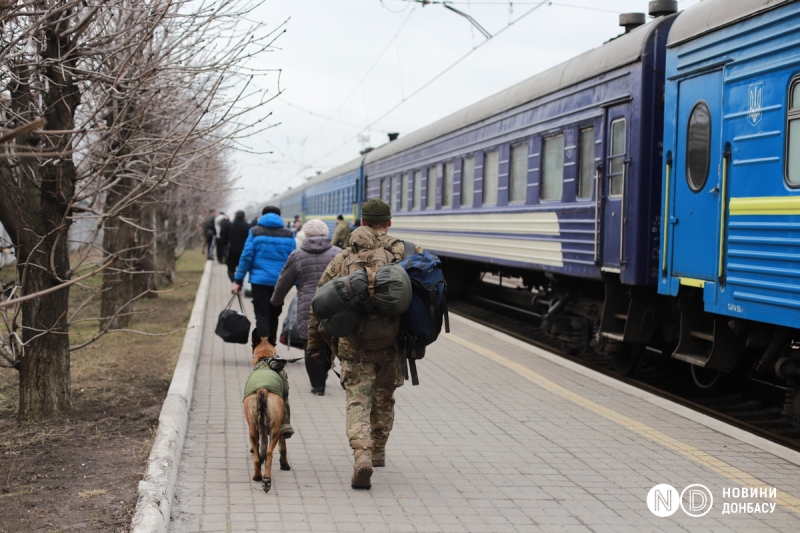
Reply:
x=376, y=210
x=315, y=228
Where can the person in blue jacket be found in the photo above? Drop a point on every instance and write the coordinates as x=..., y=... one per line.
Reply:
x=266, y=250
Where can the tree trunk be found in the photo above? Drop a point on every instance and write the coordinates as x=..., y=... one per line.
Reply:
x=144, y=279
x=44, y=380
x=119, y=238
x=166, y=244
x=41, y=226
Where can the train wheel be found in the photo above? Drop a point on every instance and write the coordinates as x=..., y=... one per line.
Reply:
x=705, y=378
x=627, y=359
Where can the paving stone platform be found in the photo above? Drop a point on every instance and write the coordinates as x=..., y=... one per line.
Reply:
x=496, y=438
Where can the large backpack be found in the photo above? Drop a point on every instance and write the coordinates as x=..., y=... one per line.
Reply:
x=422, y=321
x=376, y=332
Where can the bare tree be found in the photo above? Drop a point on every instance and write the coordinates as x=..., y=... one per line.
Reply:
x=143, y=101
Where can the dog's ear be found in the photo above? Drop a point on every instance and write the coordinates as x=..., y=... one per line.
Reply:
x=255, y=339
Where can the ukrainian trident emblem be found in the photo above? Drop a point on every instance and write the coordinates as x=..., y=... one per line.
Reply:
x=755, y=96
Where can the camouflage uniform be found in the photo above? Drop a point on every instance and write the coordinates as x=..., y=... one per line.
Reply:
x=369, y=382
x=341, y=234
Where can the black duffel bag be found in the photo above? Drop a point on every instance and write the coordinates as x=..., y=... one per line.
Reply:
x=233, y=326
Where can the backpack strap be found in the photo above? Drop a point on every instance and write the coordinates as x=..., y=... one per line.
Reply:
x=409, y=249
x=371, y=284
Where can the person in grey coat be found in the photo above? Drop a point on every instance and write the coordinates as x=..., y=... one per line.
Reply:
x=304, y=268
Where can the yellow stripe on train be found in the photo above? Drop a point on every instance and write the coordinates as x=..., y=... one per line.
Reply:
x=765, y=205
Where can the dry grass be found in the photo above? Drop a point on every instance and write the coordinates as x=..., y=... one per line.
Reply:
x=86, y=464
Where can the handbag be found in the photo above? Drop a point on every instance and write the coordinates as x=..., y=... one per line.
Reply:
x=233, y=326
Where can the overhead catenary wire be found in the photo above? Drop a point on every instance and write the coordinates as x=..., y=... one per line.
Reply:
x=368, y=72
x=506, y=4
x=425, y=85
x=326, y=117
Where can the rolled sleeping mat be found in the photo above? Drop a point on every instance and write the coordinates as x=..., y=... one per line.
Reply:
x=341, y=324
x=340, y=303
x=334, y=297
x=392, y=290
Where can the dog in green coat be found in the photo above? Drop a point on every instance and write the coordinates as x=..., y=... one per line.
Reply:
x=264, y=396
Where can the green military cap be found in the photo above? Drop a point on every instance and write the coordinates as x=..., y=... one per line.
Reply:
x=376, y=210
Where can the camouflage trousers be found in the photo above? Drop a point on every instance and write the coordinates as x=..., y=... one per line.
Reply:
x=369, y=392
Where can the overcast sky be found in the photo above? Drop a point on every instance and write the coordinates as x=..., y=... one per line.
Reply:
x=346, y=63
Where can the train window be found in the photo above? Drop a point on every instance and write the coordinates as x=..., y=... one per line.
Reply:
x=385, y=190
x=404, y=192
x=395, y=185
x=698, y=146
x=616, y=159
x=491, y=168
x=793, y=137
x=586, y=156
x=553, y=170
x=468, y=182
x=417, y=189
x=447, y=185
x=433, y=177
x=517, y=188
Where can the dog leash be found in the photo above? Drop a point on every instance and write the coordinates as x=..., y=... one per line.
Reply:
x=338, y=375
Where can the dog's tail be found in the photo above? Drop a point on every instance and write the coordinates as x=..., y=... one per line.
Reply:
x=263, y=423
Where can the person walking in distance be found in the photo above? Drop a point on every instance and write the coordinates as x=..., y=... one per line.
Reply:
x=209, y=232
x=369, y=377
x=237, y=236
x=266, y=250
x=222, y=225
x=304, y=268
x=341, y=233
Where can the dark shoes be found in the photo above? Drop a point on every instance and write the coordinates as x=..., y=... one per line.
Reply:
x=319, y=391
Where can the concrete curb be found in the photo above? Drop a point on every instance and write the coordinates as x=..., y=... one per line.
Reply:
x=158, y=485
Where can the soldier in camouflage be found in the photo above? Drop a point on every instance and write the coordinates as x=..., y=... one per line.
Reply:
x=368, y=378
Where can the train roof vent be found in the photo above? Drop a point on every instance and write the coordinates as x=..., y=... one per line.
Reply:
x=630, y=21
x=662, y=8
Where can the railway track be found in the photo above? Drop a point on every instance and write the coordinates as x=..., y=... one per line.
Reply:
x=755, y=408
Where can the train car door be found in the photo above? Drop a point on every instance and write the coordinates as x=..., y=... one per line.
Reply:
x=616, y=149
x=695, y=216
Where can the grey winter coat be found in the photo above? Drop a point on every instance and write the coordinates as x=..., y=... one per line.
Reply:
x=304, y=266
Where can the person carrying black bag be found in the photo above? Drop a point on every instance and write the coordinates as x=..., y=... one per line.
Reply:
x=237, y=235
x=305, y=267
x=266, y=250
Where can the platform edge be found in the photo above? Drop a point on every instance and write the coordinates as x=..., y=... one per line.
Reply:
x=157, y=487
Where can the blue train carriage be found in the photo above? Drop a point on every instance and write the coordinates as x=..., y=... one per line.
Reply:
x=290, y=203
x=555, y=179
x=335, y=192
x=731, y=230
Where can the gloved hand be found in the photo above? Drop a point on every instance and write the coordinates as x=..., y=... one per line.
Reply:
x=320, y=353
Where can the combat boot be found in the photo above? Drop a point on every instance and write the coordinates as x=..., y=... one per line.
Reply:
x=379, y=452
x=362, y=467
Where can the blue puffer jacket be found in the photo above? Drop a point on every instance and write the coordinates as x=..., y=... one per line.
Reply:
x=265, y=252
